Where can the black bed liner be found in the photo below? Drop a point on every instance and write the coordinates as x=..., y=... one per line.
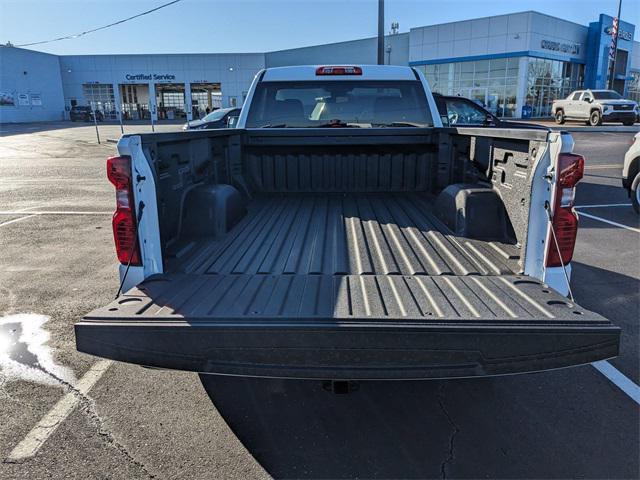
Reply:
x=355, y=286
x=339, y=234
x=347, y=327
x=332, y=299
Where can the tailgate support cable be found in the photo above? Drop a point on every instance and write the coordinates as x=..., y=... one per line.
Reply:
x=133, y=246
x=547, y=208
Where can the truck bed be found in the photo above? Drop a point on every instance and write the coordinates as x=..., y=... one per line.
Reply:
x=348, y=286
x=344, y=234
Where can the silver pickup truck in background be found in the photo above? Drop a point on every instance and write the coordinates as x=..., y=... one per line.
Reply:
x=595, y=107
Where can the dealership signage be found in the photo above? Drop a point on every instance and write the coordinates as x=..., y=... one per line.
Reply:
x=572, y=48
x=151, y=76
x=623, y=34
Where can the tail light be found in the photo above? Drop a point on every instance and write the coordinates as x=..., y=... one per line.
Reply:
x=124, y=218
x=570, y=170
x=335, y=70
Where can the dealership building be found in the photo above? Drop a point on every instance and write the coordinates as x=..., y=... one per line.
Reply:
x=515, y=65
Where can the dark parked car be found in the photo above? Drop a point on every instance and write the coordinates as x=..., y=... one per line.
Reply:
x=84, y=113
x=216, y=119
x=463, y=112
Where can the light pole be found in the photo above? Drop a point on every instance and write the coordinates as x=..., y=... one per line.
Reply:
x=380, y=32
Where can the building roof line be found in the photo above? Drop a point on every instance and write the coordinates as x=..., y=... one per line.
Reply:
x=500, y=15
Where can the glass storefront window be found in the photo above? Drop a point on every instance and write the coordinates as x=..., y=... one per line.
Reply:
x=634, y=87
x=498, y=66
x=490, y=83
x=549, y=80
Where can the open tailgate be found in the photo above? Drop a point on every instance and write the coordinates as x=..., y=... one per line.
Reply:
x=347, y=326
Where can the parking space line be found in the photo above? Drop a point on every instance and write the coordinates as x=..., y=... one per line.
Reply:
x=23, y=210
x=9, y=222
x=615, y=224
x=48, y=424
x=61, y=212
x=603, y=205
x=602, y=167
x=619, y=379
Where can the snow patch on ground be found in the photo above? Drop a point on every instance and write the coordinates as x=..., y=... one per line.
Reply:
x=24, y=354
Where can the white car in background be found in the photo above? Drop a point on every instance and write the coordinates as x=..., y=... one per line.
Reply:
x=631, y=172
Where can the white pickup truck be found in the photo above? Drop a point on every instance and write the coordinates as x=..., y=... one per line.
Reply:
x=595, y=107
x=340, y=232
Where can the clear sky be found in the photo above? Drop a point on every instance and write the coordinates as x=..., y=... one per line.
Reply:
x=254, y=25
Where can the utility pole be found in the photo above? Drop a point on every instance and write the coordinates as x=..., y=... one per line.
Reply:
x=614, y=47
x=380, y=32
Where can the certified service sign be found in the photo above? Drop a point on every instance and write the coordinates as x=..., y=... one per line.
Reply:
x=150, y=76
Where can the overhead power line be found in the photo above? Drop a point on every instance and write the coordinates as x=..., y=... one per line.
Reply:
x=81, y=34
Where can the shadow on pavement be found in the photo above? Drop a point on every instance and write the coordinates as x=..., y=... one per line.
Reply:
x=616, y=297
x=563, y=424
x=598, y=193
x=9, y=129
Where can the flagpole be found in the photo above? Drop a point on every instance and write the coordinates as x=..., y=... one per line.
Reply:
x=614, y=39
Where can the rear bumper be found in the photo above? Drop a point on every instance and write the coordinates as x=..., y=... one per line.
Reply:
x=347, y=351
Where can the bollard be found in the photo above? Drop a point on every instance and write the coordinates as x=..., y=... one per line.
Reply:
x=95, y=122
x=121, y=125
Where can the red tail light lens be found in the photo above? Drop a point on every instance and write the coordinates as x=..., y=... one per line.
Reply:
x=124, y=235
x=565, y=222
x=119, y=172
x=124, y=219
x=570, y=170
x=335, y=70
x=565, y=226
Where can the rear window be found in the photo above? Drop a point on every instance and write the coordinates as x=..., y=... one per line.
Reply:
x=357, y=103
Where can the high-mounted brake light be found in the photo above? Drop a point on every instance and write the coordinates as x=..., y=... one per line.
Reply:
x=124, y=218
x=570, y=170
x=339, y=70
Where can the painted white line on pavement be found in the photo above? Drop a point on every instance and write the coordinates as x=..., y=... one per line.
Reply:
x=602, y=167
x=22, y=210
x=615, y=224
x=619, y=379
x=9, y=222
x=603, y=205
x=61, y=212
x=48, y=424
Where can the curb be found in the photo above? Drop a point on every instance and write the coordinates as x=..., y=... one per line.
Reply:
x=112, y=140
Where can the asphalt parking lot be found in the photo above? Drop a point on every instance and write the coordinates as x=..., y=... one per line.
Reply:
x=57, y=263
